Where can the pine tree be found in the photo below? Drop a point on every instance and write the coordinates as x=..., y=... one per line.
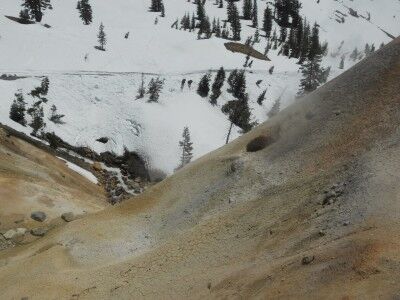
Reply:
x=287, y=12
x=247, y=9
x=204, y=22
x=218, y=29
x=217, y=85
x=341, y=66
x=231, y=11
x=206, y=28
x=45, y=85
x=255, y=14
x=101, y=36
x=315, y=46
x=355, y=54
x=154, y=89
x=291, y=43
x=239, y=114
x=186, y=147
x=275, y=108
x=271, y=70
x=36, y=8
x=204, y=85
x=85, y=10
x=299, y=31
x=283, y=35
x=238, y=110
x=237, y=84
x=200, y=12
x=18, y=109
x=261, y=98
x=313, y=75
x=256, y=38
x=193, y=22
x=235, y=23
x=55, y=117
x=156, y=5
x=141, y=90
x=305, y=42
x=24, y=14
x=274, y=39
x=162, y=9
x=232, y=79
x=267, y=22
x=37, y=115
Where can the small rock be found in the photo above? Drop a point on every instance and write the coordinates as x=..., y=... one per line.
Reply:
x=307, y=260
x=40, y=231
x=97, y=166
x=346, y=223
x=321, y=233
x=327, y=196
x=14, y=233
x=337, y=112
x=22, y=231
x=19, y=221
x=38, y=216
x=10, y=234
x=68, y=217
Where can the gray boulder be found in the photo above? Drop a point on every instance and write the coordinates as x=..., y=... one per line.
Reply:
x=38, y=216
x=14, y=233
x=68, y=217
x=40, y=231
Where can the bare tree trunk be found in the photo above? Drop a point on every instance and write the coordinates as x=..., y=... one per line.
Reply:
x=229, y=133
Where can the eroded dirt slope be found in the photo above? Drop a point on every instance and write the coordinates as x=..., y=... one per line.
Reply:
x=33, y=180
x=314, y=215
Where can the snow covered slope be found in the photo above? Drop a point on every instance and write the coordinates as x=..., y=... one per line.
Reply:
x=97, y=94
x=158, y=48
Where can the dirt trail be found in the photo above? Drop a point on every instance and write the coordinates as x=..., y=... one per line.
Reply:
x=314, y=215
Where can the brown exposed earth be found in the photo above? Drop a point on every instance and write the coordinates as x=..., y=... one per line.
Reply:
x=33, y=180
x=312, y=214
x=246, y=50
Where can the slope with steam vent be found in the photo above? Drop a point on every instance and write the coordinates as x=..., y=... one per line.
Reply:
x=312, y=214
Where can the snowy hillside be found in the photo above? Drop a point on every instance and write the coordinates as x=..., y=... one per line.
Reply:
x=96, y=90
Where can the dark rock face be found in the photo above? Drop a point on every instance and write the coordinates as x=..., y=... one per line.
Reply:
x=38, y=216
x=130, y=162
x=136, y=166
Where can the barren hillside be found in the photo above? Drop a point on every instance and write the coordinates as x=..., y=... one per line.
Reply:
x=33, y=180
x=313, y=214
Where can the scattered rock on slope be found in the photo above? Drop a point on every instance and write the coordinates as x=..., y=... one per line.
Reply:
x=38, y=216
x=14, y=233
x=40, y=231
x=68, y=217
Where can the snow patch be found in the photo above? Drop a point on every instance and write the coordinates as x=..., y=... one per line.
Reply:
x=88, y=175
